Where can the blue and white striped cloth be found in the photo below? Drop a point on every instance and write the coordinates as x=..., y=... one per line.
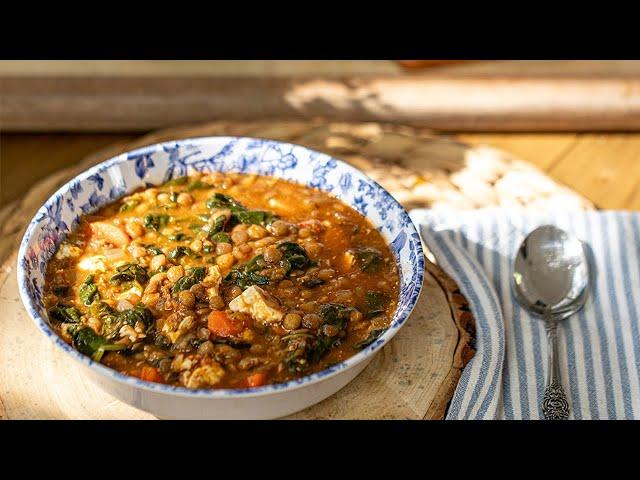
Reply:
x=599, y=348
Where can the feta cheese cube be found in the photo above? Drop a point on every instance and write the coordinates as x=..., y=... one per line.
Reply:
x=205, y=376
x=93, y=264
x=257, y=303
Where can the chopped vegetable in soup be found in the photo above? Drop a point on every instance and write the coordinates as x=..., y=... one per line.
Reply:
x=222, y=281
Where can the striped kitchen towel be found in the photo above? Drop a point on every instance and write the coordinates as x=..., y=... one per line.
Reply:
x=599, y=348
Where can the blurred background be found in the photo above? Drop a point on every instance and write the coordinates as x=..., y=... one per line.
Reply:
x=576, y=120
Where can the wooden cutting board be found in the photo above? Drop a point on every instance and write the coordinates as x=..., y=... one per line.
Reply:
x=413, y=377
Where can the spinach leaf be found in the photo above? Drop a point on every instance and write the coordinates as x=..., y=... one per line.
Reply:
x=220, y=200
x=198, y=185
x=88, y=291
x=153, y=249
x=294, y=257
x=296, y=360
x=100, y=309
x=255, y=217
x=376, y=303
x=90, y=343
x=251, y=278
x=180, y=252
x=220, y=237
x=239, y=213
x=245, y=275
x=216, y=227
x=130, y=272
x=162, y=341
x=335, y=314
x=139, y=313
x=109, y=317
x=62, y=313
x=113, y=320
x=307, y=350
x=369, y=259
x=372, y=337
x=245, y=278
x=156, y=221
x=191, y=277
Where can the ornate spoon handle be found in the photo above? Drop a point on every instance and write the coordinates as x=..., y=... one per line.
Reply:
x=554, y=402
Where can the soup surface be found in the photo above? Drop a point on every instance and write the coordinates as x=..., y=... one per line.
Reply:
x=222, y=281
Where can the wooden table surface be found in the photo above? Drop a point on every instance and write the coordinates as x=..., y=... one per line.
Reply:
x=605, y=168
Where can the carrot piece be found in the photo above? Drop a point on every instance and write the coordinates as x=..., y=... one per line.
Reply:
x=220, y=324
x=256, y=380
x=151, y=374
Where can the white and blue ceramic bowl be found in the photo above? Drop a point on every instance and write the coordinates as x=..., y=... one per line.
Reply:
x=155, y=164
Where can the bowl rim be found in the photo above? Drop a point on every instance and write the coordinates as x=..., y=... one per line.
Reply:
x=219, y=393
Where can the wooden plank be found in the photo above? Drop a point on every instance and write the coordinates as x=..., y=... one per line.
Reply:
x=604, y=168
x=444, y=102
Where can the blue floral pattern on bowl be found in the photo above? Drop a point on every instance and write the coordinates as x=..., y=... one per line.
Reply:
x=158, y=163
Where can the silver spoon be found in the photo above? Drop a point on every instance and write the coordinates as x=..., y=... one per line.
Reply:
x=550, y=279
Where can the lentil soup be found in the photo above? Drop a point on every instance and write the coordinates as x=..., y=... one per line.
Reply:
x=222, y=281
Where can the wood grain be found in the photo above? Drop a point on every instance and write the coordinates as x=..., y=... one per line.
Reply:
x=613, y=166
x=451, y=102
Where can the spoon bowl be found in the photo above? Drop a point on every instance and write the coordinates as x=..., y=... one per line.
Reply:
x=551, y=273
x=550, y=279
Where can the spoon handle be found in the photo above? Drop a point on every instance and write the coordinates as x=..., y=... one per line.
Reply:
x=554, y=402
